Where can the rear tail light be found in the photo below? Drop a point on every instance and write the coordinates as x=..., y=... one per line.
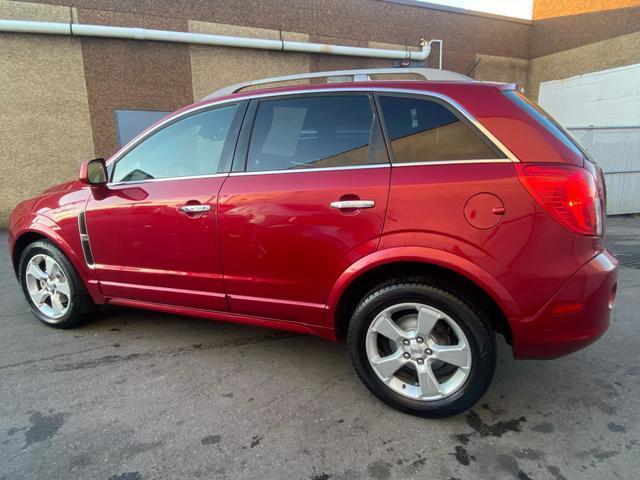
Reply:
x=571, y=195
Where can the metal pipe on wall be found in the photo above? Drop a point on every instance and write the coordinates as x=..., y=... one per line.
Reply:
x=131, y=33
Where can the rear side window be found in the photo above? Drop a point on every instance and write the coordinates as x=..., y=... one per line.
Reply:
x=311, y=132
x=423, y=130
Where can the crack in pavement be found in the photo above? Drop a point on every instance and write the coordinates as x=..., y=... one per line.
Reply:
x=52, y=357
x=111, y=359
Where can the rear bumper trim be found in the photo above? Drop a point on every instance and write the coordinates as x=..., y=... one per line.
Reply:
x=551, y=335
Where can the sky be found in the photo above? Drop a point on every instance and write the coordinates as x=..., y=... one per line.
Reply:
x=511, y=8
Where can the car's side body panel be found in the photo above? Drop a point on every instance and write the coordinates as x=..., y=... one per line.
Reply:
x=282, y=243
x=54, y=215
x=297, y=327
x=273, y=252
x=145, y=248
x=527, y=252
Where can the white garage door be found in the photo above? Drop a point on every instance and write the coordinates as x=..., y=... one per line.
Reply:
x=602, y=111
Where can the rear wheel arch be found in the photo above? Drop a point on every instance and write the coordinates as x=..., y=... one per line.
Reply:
x=442, y=277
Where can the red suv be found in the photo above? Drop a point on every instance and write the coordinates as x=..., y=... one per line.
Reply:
x=414, y=218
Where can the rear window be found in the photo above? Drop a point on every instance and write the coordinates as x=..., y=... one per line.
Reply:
x=546, y=121
x=422, y=130
x=311, y=132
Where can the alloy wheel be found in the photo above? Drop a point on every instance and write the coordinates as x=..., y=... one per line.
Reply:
x=48, y=286
x=418, y=351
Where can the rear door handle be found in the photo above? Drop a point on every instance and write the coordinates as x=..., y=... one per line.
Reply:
x=344, y=204
x=194, y=208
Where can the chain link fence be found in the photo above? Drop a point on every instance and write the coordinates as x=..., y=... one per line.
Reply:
x=617, y=151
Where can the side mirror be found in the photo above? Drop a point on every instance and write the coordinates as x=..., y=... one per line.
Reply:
x=93, y=172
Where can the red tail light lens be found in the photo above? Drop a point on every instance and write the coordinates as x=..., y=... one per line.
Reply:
x=570, y=195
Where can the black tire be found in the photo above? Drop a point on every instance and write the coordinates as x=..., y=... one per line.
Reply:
x=471, y=320
x=80, y=305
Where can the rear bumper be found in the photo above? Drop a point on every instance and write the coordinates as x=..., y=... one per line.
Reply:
x=588, y=295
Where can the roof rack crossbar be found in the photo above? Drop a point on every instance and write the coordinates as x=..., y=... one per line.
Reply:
x=362, y=75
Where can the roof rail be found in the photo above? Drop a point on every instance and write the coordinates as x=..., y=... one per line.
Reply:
x=358, y=76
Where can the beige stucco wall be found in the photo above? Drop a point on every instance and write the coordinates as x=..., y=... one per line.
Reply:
x=216, y=67
x=34, y=11
x=501, y=69
x=611, y=53
x=45, y=131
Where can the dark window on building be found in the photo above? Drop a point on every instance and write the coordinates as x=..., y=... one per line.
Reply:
x=189, y=147
x=426, y=131
x=311, y=132
x=130, y=123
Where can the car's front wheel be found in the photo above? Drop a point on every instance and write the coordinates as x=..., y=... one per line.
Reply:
x=53, y=290
x=421, y=349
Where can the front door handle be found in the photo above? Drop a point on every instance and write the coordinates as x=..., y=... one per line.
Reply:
x=353, y=204
x=194, y=208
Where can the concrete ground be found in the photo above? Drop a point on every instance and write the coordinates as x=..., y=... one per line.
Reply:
x=138, y=395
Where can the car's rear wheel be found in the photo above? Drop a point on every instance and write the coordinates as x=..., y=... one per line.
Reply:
x=421, y=349
x=53, y=290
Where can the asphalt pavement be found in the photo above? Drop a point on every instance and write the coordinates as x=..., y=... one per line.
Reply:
x=138, y=395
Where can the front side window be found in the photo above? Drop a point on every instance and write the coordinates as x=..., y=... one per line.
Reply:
x=129, y=123
x=311, y=132
x=426, y=131
x=191, y=146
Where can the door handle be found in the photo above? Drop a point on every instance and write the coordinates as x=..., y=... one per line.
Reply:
x=194, y=208
x=356, y=204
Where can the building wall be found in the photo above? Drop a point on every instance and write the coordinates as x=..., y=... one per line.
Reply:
x=62, y=92
x=364, y=20
x=593, y=57
x=502, y=69
x=565, y=24
x=122, y=74
x=216, y=67
x=45, y=123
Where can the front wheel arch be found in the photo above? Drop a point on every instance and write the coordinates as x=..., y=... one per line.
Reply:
x=22, y=242
x=34, y=231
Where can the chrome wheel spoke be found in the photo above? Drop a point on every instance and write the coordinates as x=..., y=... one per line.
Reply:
x=49, y=266
x=62, y=286
x=56, y=304
x=35, y=271
x=429, y=385
x=39, y=296
x=427, y=319
x=387, y=327
x=458, y=355
x=387, y=366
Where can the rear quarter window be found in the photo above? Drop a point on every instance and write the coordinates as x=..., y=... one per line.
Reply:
x=423, y=130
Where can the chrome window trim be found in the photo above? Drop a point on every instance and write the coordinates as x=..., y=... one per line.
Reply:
x=150, y=180
x=373, y=89
x=453, y=162
x=302, y=170
x=379, y=165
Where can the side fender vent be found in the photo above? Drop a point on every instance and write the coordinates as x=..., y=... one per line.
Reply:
x=84, y=239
